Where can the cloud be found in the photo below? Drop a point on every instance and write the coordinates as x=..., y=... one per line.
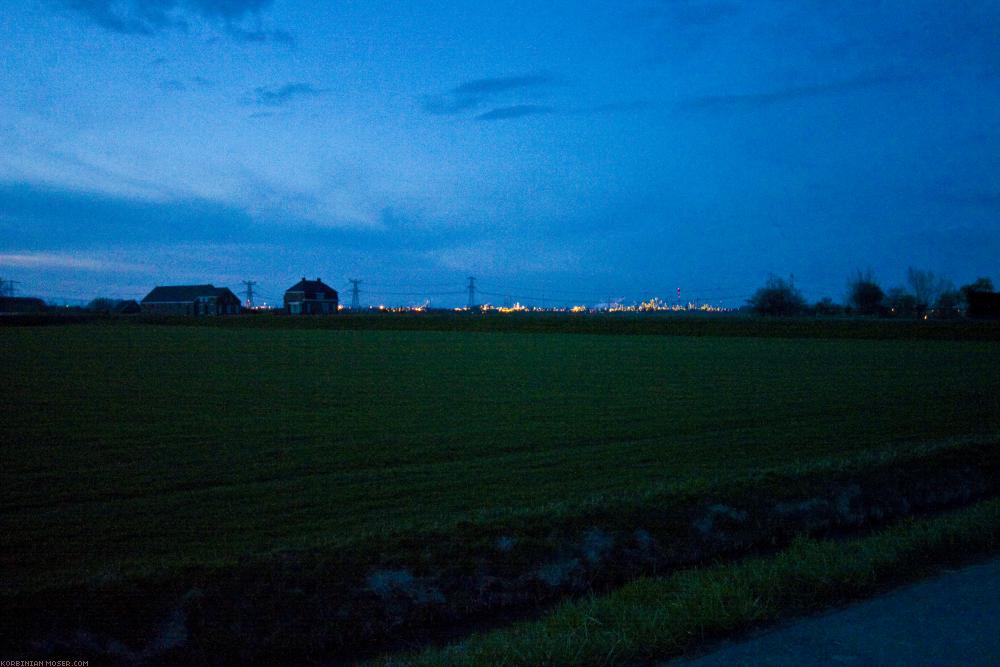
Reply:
x=142, y=17
x=477, y=92
x=51, y=260
x=241, y=19
x=516, y=111
x=757, y=100
x=59, y=219
x=507, y=97
x=276, y=97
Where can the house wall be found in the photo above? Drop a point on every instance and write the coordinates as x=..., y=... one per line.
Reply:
x=297, y=304
x=196, y=308
x=176, y=308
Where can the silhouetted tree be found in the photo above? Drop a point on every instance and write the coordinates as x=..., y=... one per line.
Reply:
x=901, y=303
x=948, y=303
x=102, y=305
x=927, y=288
x=864, y=294
x=981, y=300
x=826, y=306
x=777, y=297
x=979, y=285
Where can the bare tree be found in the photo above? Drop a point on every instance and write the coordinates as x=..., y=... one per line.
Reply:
x=927, y=288
x=901, y=303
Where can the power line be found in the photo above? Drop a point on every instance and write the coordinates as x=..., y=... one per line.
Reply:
x=472, y=292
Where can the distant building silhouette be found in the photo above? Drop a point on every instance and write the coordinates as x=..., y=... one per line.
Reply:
x=190, y=300
x=311, y=297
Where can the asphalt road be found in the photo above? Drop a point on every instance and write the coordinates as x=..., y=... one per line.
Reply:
x=953, y=619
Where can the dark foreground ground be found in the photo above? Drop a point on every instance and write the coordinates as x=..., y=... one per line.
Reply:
x=280, y=489
x=953, y=619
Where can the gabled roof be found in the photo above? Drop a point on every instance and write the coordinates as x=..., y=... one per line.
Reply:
x=312, y=286
x=183, y=293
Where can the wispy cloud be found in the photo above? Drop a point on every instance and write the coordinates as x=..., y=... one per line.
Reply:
x=51, y=260
x=516, y=111
x=477, y=92
x=275, y=97
x=756, y=100
x=510, y=97
x=524, y=110
x=241, y=19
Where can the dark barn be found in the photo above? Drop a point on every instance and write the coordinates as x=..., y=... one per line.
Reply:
x=190, y=300
x=310, y=297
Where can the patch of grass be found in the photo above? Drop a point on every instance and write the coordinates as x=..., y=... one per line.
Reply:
x=136, y=450
x=653, y=619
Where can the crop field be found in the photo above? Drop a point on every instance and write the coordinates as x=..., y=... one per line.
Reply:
x=138, y=449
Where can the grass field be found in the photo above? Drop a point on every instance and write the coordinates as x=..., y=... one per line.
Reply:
x=653, y=619
x=137, y=449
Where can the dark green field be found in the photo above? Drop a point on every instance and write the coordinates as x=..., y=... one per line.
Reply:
x=133, y=449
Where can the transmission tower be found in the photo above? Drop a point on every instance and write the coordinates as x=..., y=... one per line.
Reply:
x=355, y=302
x=8, y=287
x=472, y=292
x=249, y=292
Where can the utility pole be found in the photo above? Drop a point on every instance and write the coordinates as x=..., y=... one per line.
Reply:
x=249, y=292
x=355, y=302
x=472, y=292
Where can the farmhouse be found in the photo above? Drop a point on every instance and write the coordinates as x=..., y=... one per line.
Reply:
x=310, y=297
x=190, y=300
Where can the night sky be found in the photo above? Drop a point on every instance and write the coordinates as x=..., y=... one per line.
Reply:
x=566, y=150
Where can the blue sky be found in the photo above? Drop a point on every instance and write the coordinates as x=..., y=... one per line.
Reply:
x=565, y=150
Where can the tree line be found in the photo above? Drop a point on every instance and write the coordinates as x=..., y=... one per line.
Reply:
x=925, y=295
